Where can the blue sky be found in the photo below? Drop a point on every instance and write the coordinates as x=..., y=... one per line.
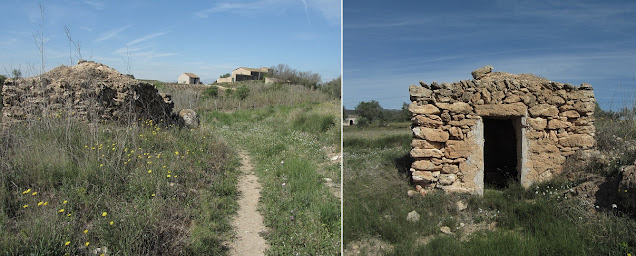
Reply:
x=163, y=39
x=388, y=45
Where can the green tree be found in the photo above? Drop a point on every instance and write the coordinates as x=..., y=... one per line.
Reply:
x=405, y=114
x=242, y=92
x=16, y=74
x=226, y=75
x=371, y=111
x=2, y=78
x=211, y=92
x=333, y=87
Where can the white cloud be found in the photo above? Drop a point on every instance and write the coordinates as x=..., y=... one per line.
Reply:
x=95, y=4
x=329, y=9
x=146, y=37
x=112, y=33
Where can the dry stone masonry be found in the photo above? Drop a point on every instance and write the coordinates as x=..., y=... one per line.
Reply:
x=87, y=91
x=495, y=128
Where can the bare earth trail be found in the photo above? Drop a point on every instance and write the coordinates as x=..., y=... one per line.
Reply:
x=248, y=223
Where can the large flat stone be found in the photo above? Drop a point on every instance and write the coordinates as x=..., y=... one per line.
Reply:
x=577, y=140
x=423, y=109
x=513, y=109
x=545, y=110
x=431, y=134
x=457, y=107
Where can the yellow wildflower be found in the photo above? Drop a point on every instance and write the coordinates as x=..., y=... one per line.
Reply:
x=87, y=243
x=61, y=210
x=34, y=193
x=65, y=201
x=104, y=214
x=85, y=231
x=152, y=195
x=176, y=152
x=169, y=171
x=67, y=243
x=40, y=203
x=168, y=175
x=25, y=206
x=46, y=203
x=149, y=171
x=26, y=191
x=68, y=215
x=110, y=223
x=100, y=165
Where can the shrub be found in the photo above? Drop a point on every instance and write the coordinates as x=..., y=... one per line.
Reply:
x=211, y=92
x=242, y=92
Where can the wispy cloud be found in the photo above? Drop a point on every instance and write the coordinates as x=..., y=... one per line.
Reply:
x=112, y=33
x=329, y=9
x=230, y=7
x=306, y=7
x=86, y=28
x=127, y=50
x=146, y=37
x=95, y=4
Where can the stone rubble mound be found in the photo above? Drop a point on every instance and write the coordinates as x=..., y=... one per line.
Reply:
x=86, y=91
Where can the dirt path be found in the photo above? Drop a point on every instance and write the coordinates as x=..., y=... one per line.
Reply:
x=248, y=223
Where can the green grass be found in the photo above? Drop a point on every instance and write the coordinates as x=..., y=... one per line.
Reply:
x=286, y=145
x=537, y=221
x=163, y=190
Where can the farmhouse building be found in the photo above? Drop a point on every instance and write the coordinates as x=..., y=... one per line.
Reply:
x=495, y=128
x=244, y=74
x=188, y=78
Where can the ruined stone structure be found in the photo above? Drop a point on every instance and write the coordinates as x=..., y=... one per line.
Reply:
x=87, y=91
x=497, y=127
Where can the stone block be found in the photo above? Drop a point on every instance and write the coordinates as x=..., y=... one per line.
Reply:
x=425, y=165
x=481, y=72
x=513, y=109
x=577, y=140
x=457, y=107
x=419, y=153
x=545, y=110
x=423, y=109
x=430, y=134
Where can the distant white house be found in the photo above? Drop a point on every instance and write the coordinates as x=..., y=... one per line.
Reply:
x=243, y=74
x=188, y=78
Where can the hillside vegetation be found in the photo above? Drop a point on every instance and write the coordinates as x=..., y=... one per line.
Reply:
x=148, y=188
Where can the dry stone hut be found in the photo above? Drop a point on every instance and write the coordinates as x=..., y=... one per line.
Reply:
x=497, y=127
x=86, y=91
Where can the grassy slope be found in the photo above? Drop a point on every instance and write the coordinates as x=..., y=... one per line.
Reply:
x=527, y=223
x=286, y=144
x=137, y=190
x=123, y=171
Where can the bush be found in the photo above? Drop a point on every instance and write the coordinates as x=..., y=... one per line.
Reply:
x=242, y=92
x=211, y=92
x=333, y=88
x=314, y=123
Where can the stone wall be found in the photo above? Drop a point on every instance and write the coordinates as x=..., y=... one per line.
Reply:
x=87, y=91
x=551, y=121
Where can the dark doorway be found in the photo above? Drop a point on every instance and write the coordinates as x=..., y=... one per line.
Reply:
x=500, y=152
x=350, y=122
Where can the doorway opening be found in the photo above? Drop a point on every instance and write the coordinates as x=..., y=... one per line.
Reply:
x=501, y=150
